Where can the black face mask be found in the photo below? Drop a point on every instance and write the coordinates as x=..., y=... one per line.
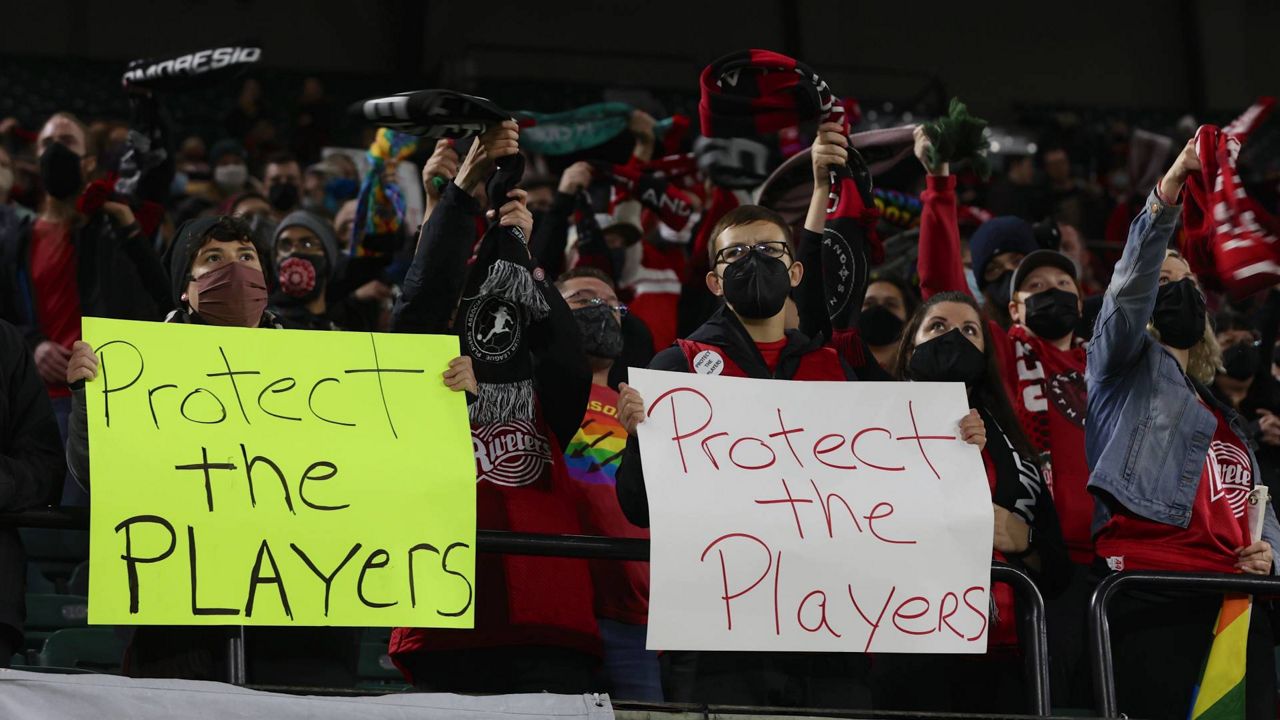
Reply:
x=998, y=289
x=601, y=332
x=301, y=279
x=1179, y=314
x=1052, y=314
x=950, y=357
x=1241, y=360
x=756, y=286
x=880, y=326
x=283, y=196
x=60, y=171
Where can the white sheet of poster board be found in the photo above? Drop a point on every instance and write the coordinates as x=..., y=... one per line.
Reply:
x=813, y=516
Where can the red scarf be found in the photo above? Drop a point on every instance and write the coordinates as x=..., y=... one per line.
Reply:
x=1047, y=389
x=1231, y=239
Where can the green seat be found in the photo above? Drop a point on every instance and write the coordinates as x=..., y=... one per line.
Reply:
x=78, y=584
x=376, y=671
x=37, y=581
x=55, y=553
x=86, y=649
x=48, y=612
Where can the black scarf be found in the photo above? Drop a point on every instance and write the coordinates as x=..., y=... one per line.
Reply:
x=500, y=299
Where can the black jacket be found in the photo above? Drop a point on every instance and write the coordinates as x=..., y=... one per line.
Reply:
x=31, y=467
x=725, y=331
x=431, y=292
x=119, y=274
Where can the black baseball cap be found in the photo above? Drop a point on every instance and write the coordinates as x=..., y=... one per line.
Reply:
x=1039, y=259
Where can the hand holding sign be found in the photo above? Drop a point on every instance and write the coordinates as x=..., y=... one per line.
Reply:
x=630, y=408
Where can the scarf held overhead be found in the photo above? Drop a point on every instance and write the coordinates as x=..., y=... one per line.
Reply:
x=1231, y=237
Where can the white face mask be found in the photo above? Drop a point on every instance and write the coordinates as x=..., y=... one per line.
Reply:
x=6, y=180
x=230, y=178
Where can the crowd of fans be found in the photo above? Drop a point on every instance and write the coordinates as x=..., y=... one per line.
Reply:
x=1124, y=410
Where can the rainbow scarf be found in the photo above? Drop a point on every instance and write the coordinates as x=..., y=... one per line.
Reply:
x=1220, y=693
x=380, y=206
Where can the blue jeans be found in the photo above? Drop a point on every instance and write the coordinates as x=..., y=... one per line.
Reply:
x=632, y=670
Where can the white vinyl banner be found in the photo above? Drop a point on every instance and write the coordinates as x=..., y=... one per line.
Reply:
x=813, y=516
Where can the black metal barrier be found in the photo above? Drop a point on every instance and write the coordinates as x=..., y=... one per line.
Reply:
x=1033, y=632
x=1104, y=681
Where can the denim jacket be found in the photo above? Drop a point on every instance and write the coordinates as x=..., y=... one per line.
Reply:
x=1147, y=437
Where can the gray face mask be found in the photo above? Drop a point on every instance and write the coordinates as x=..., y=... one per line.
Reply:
x=600, y=330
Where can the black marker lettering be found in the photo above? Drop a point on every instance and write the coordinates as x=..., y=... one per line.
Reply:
x=248, y=472
x=370, y=563
x=378, y=370
x=231, y=375
x=312, y=406
x=106, y=386
x=413, y=592
x=292, y=385
x=205, y=466
x=151, y=402
x=306, y=475
x=195, y=606
x=257, y=579
x=221, y=408
x=326, y=579
x=131, y=561
x=470, y=590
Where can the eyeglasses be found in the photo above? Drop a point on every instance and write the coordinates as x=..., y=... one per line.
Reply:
x=593, y=301
x=288, y=245
x=772, y=249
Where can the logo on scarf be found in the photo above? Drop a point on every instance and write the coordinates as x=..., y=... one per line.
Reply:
x=1232, y=477
x=1068, y=392
x=510, y=454
x=493, y=329
x=836, y=276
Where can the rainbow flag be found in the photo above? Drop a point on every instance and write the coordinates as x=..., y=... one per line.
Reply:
x=1220, y=693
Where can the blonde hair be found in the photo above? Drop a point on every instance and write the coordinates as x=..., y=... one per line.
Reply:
x=1204, y=359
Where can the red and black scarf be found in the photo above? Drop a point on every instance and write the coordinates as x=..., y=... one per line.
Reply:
x=1233, y=239
x=759, y=93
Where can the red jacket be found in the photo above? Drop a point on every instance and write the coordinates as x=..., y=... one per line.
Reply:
x=520, y=600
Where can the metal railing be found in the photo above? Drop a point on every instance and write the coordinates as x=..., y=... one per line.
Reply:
x=1104, y=681
x=1033, y=633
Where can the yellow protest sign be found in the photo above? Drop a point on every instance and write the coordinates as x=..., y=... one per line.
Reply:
x=277, y=477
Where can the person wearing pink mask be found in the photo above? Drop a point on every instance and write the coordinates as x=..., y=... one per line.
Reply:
x=219, y=277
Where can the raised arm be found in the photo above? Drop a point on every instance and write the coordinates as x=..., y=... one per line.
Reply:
x=940, y=262
x=830, y=149
x=434, y=281
x=551, y=232
x=1120, y=332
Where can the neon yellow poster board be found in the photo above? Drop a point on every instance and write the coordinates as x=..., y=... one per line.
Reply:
x=275, y=477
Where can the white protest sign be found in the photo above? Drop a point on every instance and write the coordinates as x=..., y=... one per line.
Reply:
x=813, y=516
